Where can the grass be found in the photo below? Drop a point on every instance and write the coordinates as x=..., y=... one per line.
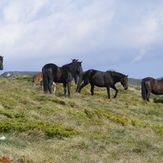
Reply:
x=52, y=128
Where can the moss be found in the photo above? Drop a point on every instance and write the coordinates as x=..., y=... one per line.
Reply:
x=21, y=125
x=12, y=115
x=99, y=113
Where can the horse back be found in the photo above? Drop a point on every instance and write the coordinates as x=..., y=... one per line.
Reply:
x=100, y=78
x=53, y=71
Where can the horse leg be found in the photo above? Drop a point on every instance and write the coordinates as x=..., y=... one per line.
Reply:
x=108, y=91
x=54, y=87
x=68, y=88
x=50, y=86
x=92, y=89
x=45, y=80
x=79, y=81
x=64, y=86
x=83, y=85
x=76, y=79
x=148, y=95
x=116, y=91
x=78, y=85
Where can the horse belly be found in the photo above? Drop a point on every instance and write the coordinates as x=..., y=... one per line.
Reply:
x=158, y=92
x=98, y=82
x=99, y=85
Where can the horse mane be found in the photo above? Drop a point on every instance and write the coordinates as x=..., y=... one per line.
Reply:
x=69, y=66
x=116, y=73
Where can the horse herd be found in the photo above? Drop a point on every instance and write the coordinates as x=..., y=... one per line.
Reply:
x=52, y=74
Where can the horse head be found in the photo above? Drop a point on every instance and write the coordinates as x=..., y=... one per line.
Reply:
x=124, y=81
x=77, y=69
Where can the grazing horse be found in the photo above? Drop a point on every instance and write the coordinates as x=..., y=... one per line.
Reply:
x=37, y=78
x=1, y=63
x=106, y=79
x=53, y=73
x=151, y=85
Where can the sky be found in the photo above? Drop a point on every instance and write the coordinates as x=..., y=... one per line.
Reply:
x=121, y=35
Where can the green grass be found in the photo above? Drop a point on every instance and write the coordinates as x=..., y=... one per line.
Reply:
x=51, y=128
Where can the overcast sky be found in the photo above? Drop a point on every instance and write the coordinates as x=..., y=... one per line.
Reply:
x=122, y=35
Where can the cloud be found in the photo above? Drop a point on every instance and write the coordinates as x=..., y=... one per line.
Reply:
x=107, y=31
x=68, y=28
x=142, y=53
x=137, y=26
x=146, y=35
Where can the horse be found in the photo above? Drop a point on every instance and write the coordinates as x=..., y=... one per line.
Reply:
x=150, y=85
x=1, y=63
x=37, y=78
x=53, y=73
x=106, y=79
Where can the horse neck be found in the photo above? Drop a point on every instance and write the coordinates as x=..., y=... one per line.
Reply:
x=117, y=76
x=69, y=67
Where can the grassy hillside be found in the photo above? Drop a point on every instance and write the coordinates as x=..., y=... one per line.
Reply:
x=52, y=128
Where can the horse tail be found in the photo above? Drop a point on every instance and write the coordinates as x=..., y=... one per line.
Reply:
x=143, y=90
x=45, y=79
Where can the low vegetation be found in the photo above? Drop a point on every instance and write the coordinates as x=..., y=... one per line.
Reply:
x=52, y=128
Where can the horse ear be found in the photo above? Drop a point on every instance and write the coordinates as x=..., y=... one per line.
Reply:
x=74, y=60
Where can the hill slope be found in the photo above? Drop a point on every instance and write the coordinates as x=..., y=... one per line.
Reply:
x=52, y=128
x=13, y=74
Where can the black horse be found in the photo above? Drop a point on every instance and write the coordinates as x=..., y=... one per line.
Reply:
x=65, y=74
x=106, y=79
x=1, y=63
x=151, y=85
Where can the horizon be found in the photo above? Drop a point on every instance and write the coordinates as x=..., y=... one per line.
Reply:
x=125, y=36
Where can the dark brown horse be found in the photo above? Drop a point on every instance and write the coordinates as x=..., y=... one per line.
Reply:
x=106, y=79
x=150, y=85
